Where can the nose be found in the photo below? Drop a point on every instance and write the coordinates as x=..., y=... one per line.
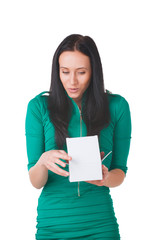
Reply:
x=73, y=78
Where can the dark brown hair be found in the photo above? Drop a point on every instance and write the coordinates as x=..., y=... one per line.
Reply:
x=95, y=112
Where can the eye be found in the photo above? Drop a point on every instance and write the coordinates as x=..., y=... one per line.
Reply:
x=65, y=72
x=81, y=73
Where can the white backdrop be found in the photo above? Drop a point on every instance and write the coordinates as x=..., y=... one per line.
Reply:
x=127, y=34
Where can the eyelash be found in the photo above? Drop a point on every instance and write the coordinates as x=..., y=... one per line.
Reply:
x=81, y=73
x=78, y=72
x=65, y=72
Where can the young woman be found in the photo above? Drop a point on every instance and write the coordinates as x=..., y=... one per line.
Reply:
x=77, y=105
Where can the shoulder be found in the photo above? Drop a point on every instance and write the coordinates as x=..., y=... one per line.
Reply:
x=38, y=103
x=117, y=104
x=116, y=100
x=39, y=99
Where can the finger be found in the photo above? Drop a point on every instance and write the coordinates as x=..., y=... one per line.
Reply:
x=67, y=162
x=61, y=172
x=54, y=168
x=97, y=182
x=104, y=168
x=62, y=154
x=62, y=151
x=60, y=162
x=102, y=155
x=104, y=171
x=91, y=182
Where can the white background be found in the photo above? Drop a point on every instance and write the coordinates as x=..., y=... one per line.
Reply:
x=127, y=34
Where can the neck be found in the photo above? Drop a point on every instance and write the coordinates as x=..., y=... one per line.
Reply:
x=78, y=104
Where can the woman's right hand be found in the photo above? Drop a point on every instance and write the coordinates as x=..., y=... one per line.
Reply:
x=51, y=158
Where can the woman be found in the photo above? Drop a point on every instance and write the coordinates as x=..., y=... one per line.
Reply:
x=76, y=105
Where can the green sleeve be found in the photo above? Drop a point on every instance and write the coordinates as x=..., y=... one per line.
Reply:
x=122, y=136
x=34, y=132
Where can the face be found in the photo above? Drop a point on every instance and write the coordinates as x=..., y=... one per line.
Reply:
x=75, y=73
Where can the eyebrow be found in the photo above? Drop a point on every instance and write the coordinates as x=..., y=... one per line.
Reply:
x=76, y=68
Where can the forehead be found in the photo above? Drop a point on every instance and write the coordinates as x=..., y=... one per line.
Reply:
x=70, y=59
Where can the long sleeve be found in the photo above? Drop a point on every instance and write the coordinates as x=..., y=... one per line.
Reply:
x=121, y=136
x=34, y=132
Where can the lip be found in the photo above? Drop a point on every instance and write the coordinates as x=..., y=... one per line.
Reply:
x=73, y=90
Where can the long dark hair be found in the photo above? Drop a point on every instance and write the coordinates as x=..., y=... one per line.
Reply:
x=95, y=112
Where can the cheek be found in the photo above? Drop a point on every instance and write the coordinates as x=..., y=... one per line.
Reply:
x=63, y=78
x=87, y=81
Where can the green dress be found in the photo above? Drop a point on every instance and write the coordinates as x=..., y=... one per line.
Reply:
x=71, y=210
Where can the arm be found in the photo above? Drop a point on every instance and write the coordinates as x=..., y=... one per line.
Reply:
x=35, y=144
x=48, y=161
x=39, y=161
x=121, y=144
x=113, y=178
x=38, y=175
x=121, y=136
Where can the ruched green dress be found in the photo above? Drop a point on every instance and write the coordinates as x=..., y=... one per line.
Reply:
x=71, y=210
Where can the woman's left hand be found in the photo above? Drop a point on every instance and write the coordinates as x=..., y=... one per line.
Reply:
x=105, y=173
